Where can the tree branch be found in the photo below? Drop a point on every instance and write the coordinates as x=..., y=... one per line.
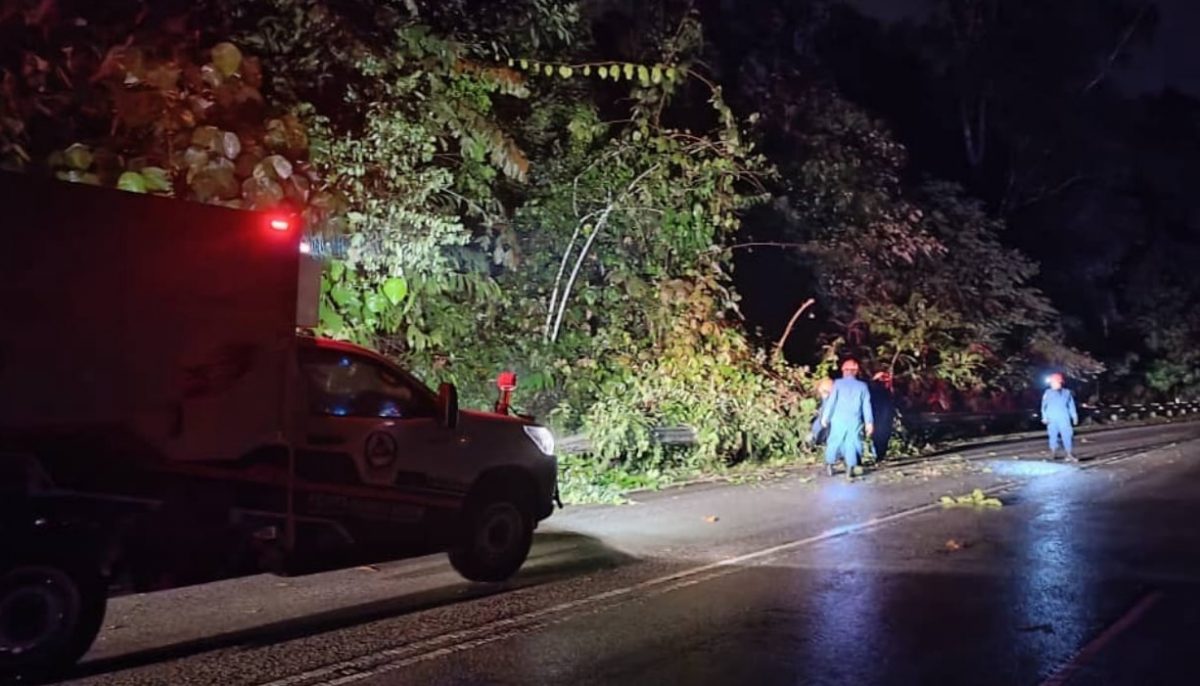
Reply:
x=562, y=307
x=792, y=322
x=562, y=269
x=600, y=224
x=1050, y=192
x=974, y=141
x=806, y=247
x=1116, y=52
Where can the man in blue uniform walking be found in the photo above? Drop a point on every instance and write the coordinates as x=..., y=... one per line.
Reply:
x=1059, y=416
x=847, y=412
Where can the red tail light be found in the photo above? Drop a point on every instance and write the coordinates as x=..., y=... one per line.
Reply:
x=280, y=224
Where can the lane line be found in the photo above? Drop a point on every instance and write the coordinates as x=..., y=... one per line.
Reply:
x=391, y=659
x=349, y=671
x=1089, y=652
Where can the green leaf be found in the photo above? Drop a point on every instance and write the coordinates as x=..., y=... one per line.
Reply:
x=525, y=64
x=208, y=138
x=341, y=295
x=78, y=156
x=157, y=180
x=603, y=72
x=336, y=270
x=587, y=70
x=394, y=289
x=226, y=58
x=132, y=182
x=375, y=303
x=330, y=319
x=629, y=70
x=656, y=74
x=643, y=75
x=548, y=70
x=564, y=71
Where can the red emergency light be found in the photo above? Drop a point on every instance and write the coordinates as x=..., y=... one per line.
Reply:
x=507, y=383
x=280, y=224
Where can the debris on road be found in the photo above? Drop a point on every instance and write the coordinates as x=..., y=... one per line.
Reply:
x=712, y=519
x=975, y=499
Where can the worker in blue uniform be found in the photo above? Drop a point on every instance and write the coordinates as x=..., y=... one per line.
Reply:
x=847, y=412
x=1059, y=416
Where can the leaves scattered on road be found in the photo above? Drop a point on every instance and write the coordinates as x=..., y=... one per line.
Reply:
x=975, y=498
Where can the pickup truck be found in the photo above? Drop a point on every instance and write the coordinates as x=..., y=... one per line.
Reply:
x=165, y=420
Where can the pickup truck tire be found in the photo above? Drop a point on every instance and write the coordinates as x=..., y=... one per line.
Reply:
x=495, y=540
x=50, y=612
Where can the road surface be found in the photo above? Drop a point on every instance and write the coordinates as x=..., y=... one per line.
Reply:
x=1087, y=575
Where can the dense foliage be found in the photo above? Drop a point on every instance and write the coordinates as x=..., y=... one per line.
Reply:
x=497, y=190
x=1035, y=109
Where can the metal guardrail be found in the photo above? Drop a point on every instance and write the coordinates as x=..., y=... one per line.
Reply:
x=936, y=425
x=952, y=424
x=1096, y=413
x=665, y=435
x=1116, y=413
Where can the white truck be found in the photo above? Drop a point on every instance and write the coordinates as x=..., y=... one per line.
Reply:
x=163, y=423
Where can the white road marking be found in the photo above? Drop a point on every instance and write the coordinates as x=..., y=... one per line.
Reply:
x=1089, y=652
x=393, y=659
x=357, y=669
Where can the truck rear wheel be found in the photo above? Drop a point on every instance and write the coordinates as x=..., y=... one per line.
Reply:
x=50, y=612
x=496, y=538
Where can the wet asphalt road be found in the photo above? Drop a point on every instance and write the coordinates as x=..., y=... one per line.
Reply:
x=1088, y=575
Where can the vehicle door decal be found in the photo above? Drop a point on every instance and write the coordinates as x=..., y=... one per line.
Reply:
x=381, y=449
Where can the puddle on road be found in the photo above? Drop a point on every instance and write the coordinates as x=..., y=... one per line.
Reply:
x=1027, y=468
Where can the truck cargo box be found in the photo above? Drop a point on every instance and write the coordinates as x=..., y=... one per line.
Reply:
x=158, y=328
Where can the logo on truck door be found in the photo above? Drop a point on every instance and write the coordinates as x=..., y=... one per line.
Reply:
x=381, y=449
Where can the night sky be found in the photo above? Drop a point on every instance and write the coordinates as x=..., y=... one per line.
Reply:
x=1172, y=60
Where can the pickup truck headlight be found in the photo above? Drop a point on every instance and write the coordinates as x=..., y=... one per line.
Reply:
x=542, y=437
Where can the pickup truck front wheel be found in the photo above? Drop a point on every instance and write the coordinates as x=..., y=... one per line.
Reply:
x=50, y=612
x=496, y=538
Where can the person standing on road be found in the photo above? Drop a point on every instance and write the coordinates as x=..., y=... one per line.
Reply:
x=883, y=408
x=818, y=434
x=1059, y=416
x=847, y=412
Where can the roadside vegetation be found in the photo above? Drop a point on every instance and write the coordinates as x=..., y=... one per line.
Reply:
x=496, y=186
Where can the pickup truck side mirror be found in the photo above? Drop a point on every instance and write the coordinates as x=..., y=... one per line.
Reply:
x=448, y=405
